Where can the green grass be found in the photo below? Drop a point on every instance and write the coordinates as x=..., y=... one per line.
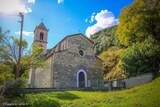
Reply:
x=147, y=95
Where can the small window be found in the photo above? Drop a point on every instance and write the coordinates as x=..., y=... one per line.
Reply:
x=41, y=36
x=64, y=47
x=81, y=52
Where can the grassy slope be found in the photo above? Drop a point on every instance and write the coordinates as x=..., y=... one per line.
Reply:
x=147, y=95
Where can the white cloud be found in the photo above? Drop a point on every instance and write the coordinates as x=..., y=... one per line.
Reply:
x=29, y=34
x=103, y=19
x=60, y=1
x=31, y=1
x=14, y=7
x=92, y=17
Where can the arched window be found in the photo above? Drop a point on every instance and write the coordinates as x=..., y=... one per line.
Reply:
x=41, y=36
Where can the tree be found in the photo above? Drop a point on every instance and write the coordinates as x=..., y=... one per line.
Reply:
x=142, y=58
x=138, y=21
x=9, y=48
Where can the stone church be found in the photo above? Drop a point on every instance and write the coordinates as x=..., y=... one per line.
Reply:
x=70, y=64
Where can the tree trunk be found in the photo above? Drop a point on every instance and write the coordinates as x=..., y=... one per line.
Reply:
x=17, y=72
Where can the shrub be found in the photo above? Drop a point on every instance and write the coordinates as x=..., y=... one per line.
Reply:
x=142, y=58
x=111, y=61
x=12, y=88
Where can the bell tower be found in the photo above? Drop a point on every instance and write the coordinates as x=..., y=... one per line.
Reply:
x=41, y=36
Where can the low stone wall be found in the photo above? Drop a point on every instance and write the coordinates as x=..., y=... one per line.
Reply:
x=39, y=90
x=137, y=80
x=129, y=82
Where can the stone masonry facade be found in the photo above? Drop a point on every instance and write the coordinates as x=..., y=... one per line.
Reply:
x=70, y=64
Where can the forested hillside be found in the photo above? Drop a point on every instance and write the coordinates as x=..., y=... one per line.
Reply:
x=109, y=50
x=132, y=47
x=104, y=39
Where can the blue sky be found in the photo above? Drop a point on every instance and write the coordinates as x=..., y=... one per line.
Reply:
x=61, y=17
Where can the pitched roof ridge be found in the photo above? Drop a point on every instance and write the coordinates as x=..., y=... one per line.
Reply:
x=41, y=26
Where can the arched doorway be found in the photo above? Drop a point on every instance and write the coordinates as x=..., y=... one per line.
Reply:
x=81, y=79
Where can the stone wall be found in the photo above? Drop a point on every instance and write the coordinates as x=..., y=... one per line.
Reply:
x=42, y=76
x=129, y=82
x=68, y=62
x=138, y=80
x=61, y=46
